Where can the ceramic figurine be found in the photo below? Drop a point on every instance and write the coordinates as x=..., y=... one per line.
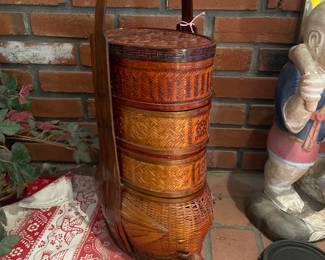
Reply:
x=294, y=143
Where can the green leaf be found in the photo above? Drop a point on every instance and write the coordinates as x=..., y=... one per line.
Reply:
x=8, y=243
x=81, y=156
x=3, y=77
x=13, y=103
x=74, y=140
x=20, y=153
x=3, y=232
x=15, y=175
x=35, y=133
x=72, y=127
x=81, y=153
x=5, y=154
x=20, y=189
x=95, y=143
x=31, y=123
x=2, y=167
x=9, y=127
x=2, y=138
x=56, y=132
x=3, y=102
x=3, y=218
x=3, y=113
x=28, y=172
x=17, y=179
x=11, y=84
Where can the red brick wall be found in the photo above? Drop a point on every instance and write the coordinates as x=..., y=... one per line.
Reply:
x=45, y=42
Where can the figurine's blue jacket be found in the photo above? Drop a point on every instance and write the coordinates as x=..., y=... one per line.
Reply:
x=287, y=86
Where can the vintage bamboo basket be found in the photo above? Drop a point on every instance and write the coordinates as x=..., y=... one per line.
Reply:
x=153, y=115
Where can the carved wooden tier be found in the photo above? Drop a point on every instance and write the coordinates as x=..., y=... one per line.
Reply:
x=161, y=101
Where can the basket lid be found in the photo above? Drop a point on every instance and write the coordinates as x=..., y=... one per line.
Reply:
x=286, y=249
x=159, y=45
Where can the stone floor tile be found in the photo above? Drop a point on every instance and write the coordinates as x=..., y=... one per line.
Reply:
x=233, y=244
x=228, y=211
x=235, y=185
x=320, y=245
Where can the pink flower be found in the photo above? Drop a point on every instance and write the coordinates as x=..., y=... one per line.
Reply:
x=24, y=92
x=20, y=117
x=46, y=126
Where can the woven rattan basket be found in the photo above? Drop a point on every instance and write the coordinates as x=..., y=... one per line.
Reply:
x=152, y=172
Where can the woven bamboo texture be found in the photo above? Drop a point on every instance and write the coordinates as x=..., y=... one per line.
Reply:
x=162, y=132
x=171, y=86
x=167, y=178
x=160, y=228
x=161, y=102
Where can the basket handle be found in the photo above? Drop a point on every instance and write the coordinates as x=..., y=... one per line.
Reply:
x=108, y=173
x=187, y=16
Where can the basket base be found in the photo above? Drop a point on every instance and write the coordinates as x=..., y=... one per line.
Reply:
x=182, y=256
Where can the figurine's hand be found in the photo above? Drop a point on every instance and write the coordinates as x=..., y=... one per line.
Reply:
x=311, y=88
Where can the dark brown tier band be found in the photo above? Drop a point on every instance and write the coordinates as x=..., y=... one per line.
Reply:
x=166, y=55
x=159, y=45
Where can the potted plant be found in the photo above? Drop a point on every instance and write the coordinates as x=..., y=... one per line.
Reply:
x=17, y=125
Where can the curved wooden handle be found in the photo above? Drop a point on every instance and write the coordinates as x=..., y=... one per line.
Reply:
x=187, y=16
x=108, y=174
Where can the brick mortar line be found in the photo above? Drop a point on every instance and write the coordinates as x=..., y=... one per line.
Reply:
x=209, y=22
x=49, y=94
x=242, y=171
x=221, y=100
x=226, y=126
x=27, y=24
x=239, y=159
x=247, y=101
x=254, y=44
x=220, y=45
x=84, y=101
x=163, y=5
x=234, y=126
x=116, y=21
x=262, y=6
x=244, y=149
x=254, y=60
x=152, y=11
x=237, y=149
x=45, y=39
x=47, y=67
x=247, y=113
x=230, y=73
x=212, y=149
x=253, y=174
x=36, y=83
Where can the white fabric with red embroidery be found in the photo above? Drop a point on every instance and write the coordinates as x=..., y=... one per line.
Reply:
x=62, y=221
